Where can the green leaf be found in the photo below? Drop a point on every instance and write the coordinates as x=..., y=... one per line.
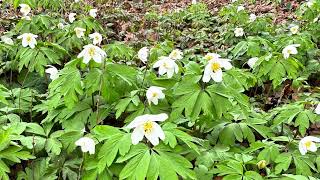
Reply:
x=137, y=167
x=283, y=162
x=35, y=128
x=240, y=49
x=302, y=167
x=121, y=106
x=70, y=85
x=118, y=143
x=53, y=145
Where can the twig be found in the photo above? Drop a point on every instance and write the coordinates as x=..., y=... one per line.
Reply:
x=81, y=165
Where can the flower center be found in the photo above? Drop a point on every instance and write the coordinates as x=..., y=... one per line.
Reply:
x=215, y=66
x=91, y=51
x=28, y=39
x=147, y=127
x=208, y=57
x=154, y=94
x=308, y=144
x=289, y=51
x=175, y=54
x=166, y=65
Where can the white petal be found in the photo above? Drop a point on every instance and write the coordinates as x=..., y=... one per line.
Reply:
x=313, y=147
x=170, y=73
x=137, y=135
x=162, y=70
x=252, y=61
x=159, y=117
x=302, y=149
x=158, y=64
x=97, y=58
x=138, y=121
x=158, y=130
x=294, y=51
x=226, y=64
x=206, y=77
x=217, y=76
x=86, y=59
x=155, y=101
x=176, y=68
x=311, y=138
x=24, y=43
x=161, y=95
x=32, y=45
x=153, y=138
x=317, y=110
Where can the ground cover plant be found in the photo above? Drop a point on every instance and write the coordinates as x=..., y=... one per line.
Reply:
x=159, y=90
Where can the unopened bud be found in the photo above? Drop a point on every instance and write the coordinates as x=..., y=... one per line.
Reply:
x=262, y=164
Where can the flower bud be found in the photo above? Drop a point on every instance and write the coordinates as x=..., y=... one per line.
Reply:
x=262, y=164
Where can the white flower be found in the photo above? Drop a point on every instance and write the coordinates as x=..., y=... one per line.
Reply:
x=76, y=1
x=26, y=18
x=176, y=54
x=143, y=54
x=92, y=52
x=28, y=39
x=234, y=1
x=86, y=144
x=166, y=65
x=194, y=1
x=315, y=19
x=146, y=125
x=252, y=61
x=53, y=72
x=24, y=9
x=240, y=8
x=72, y=17
x=7, y=40
x=317, y=110
x=290, y=49
x=79, y=32
x=252, y=17
x=213, y=69
x=60, y=26
x=155, y=93
x=97, y=38
x=294, y=29
x=211, y=56
x=310, y=3
x=307, y=144
x=238, y=32
x=93, y=13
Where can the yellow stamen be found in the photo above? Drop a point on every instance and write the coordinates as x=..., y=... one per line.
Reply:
x=91, y=51
x=208, y=57
x=215, y=66
x=147, y=127
x=308, y=144
x=165, y=65
x=28, y=39
x=154, y=94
